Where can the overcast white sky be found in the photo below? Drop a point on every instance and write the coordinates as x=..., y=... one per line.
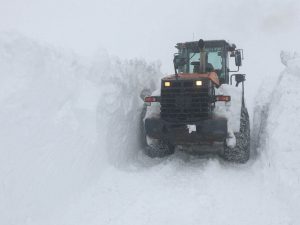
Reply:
x=149, y=28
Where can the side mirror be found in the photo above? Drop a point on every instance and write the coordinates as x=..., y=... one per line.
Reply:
x=238, y=58
x=179, y=61
x=239, y=78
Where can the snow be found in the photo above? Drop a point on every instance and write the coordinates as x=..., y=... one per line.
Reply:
x=57, y=112
x=230, y=110
x=231, y=140
x=280, y=138
x=153, y=110
x=70, y=152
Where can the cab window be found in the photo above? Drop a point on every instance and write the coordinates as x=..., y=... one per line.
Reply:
x=215, y=60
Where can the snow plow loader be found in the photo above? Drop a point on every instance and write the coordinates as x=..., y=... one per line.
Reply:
x=200, y=108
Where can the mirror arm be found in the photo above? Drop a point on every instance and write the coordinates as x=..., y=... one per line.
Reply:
x=175, y=68
x=176, y=73
x=234, y=71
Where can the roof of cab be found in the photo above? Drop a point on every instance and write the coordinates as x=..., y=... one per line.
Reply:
x=208, y=44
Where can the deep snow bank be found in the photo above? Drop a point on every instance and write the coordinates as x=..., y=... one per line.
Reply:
x=59, y=116
x=277, y=133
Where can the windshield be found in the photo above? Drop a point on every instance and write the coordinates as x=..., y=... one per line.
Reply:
x=215, y=61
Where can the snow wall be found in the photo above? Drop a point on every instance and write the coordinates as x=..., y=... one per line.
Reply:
x=62, y=119
x=276, y=133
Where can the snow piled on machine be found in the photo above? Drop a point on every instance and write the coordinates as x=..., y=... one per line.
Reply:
x=61, y=118
x=230, y=110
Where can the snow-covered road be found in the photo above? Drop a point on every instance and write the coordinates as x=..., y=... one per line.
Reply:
x=70, y=151
x=182, y=190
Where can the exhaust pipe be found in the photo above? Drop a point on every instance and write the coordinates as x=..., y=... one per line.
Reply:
x=201, y=46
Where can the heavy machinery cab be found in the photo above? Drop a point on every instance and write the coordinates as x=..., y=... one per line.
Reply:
x=214, y=54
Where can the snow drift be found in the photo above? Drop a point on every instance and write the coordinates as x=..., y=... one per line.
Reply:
x=61, y=118
x=277, y=133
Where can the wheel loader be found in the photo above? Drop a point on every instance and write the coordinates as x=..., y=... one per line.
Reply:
x=201, y=107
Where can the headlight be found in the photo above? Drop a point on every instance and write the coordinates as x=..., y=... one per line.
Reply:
x=167, y=83
x=198, y=82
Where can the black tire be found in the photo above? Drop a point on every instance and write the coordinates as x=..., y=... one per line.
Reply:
x=158, y=148
x=153, y=148
x=241, y=152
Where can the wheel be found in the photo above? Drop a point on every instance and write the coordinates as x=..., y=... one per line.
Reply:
x=241, y=152
x=153, y=147
x=158, y=148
